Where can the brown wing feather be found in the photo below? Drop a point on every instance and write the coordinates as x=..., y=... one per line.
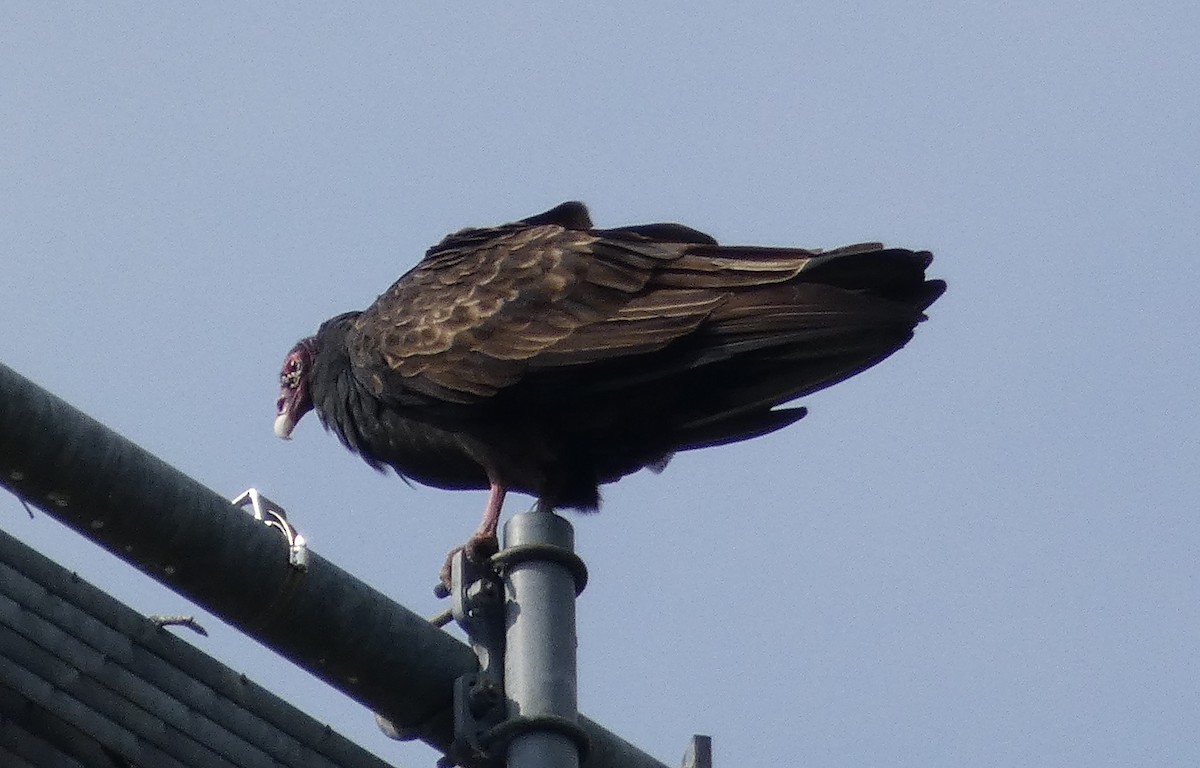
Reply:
x=481, y=310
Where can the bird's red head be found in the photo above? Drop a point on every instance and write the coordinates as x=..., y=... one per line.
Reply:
x=295, y=400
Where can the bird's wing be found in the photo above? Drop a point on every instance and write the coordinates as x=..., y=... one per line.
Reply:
x=489, y=308
x=485, y=307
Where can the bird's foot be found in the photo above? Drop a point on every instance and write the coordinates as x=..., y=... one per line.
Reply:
x=479, y=548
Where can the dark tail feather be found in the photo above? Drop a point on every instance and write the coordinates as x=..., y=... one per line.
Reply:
x=732, y=430
x=894, y=274
x=843, y=313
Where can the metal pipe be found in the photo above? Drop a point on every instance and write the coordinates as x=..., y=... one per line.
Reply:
x=540, y=644
x=196, y=542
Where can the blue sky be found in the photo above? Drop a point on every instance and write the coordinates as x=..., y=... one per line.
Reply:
x=982, y=552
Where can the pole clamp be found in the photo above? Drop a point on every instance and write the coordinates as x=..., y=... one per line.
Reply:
x=498, y=738
x=524, y=553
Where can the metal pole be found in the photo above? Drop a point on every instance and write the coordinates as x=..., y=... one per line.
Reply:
x=542, y=575
x=194, y=541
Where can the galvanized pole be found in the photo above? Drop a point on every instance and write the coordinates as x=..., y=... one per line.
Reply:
x=542, y=576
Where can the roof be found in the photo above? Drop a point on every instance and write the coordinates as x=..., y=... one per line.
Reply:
x=87, y=681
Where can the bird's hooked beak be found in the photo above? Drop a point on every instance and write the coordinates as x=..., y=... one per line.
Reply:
x=284, y=421
x=294, y=399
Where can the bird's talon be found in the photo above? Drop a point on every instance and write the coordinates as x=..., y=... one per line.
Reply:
x=443, y=587
x=480, y=549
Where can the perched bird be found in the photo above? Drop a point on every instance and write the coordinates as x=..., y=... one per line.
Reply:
x=549, y=357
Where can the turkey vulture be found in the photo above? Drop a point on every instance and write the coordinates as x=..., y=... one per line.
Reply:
x=549, y=357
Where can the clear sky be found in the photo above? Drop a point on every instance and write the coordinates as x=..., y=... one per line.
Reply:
x=982, y=552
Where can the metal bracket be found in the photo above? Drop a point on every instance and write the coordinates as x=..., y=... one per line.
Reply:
x=272, y=515
x=699, y=752
x=477, y=604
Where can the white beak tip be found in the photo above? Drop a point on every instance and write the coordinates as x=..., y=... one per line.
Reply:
x=284, y=426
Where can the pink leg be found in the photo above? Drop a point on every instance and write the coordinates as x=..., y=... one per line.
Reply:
x=483, y=543
x=491, y=514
